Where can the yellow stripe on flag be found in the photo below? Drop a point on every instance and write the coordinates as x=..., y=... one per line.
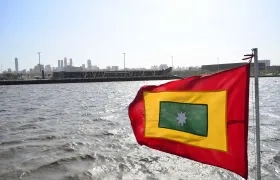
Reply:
x=216, y=101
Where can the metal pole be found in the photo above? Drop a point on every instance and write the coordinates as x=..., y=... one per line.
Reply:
x=256, y=70
x=123, y=61
x=39, y=61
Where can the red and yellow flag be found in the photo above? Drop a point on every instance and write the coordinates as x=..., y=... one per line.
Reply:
x=203, y=118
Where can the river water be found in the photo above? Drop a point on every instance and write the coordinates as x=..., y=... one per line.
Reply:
x=82, y=132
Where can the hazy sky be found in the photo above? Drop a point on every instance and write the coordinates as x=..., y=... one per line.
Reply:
x=195, y=32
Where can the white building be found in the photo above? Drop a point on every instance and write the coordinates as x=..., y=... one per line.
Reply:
x=163, y=66
x=71, y=62
x=267, y=62
x=37, y=69
x=154, y=67
x=89, y=64
x=48, y=68
x=65, y=62
x=61, y=64
x=95, y=68
x=115, y=68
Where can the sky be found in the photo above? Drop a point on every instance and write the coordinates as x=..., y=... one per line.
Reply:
x=194, y=32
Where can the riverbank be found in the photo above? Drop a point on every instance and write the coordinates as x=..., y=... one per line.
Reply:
x=268, y=76
x=59, y=81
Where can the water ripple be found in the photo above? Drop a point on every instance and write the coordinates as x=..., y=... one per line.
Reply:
x=82, y=131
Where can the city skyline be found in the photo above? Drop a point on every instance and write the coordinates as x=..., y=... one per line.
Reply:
x=149, y=32
x=66, y=64
x=63, y=65
x=86, y=63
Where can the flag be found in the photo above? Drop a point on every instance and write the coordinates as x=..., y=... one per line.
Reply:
x=202, y=118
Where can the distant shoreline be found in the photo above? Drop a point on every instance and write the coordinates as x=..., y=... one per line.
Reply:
x=268, y=76
x=63, y=81
x=89, y=80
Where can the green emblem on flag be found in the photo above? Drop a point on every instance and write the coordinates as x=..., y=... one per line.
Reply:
x=185, y=117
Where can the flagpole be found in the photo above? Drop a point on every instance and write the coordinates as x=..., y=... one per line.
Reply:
x=256, y=70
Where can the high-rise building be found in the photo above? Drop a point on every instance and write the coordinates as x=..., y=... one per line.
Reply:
x=163, y=66
x=16, y=64
x=61, y=63
x=58, y=64
x=89, y=64
x=115, y=68
x=71, y=62
x=48, y=68
x=154, y=67
x=65, y=62
x=38, y=69
x=95, y=68
x=267, y=62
